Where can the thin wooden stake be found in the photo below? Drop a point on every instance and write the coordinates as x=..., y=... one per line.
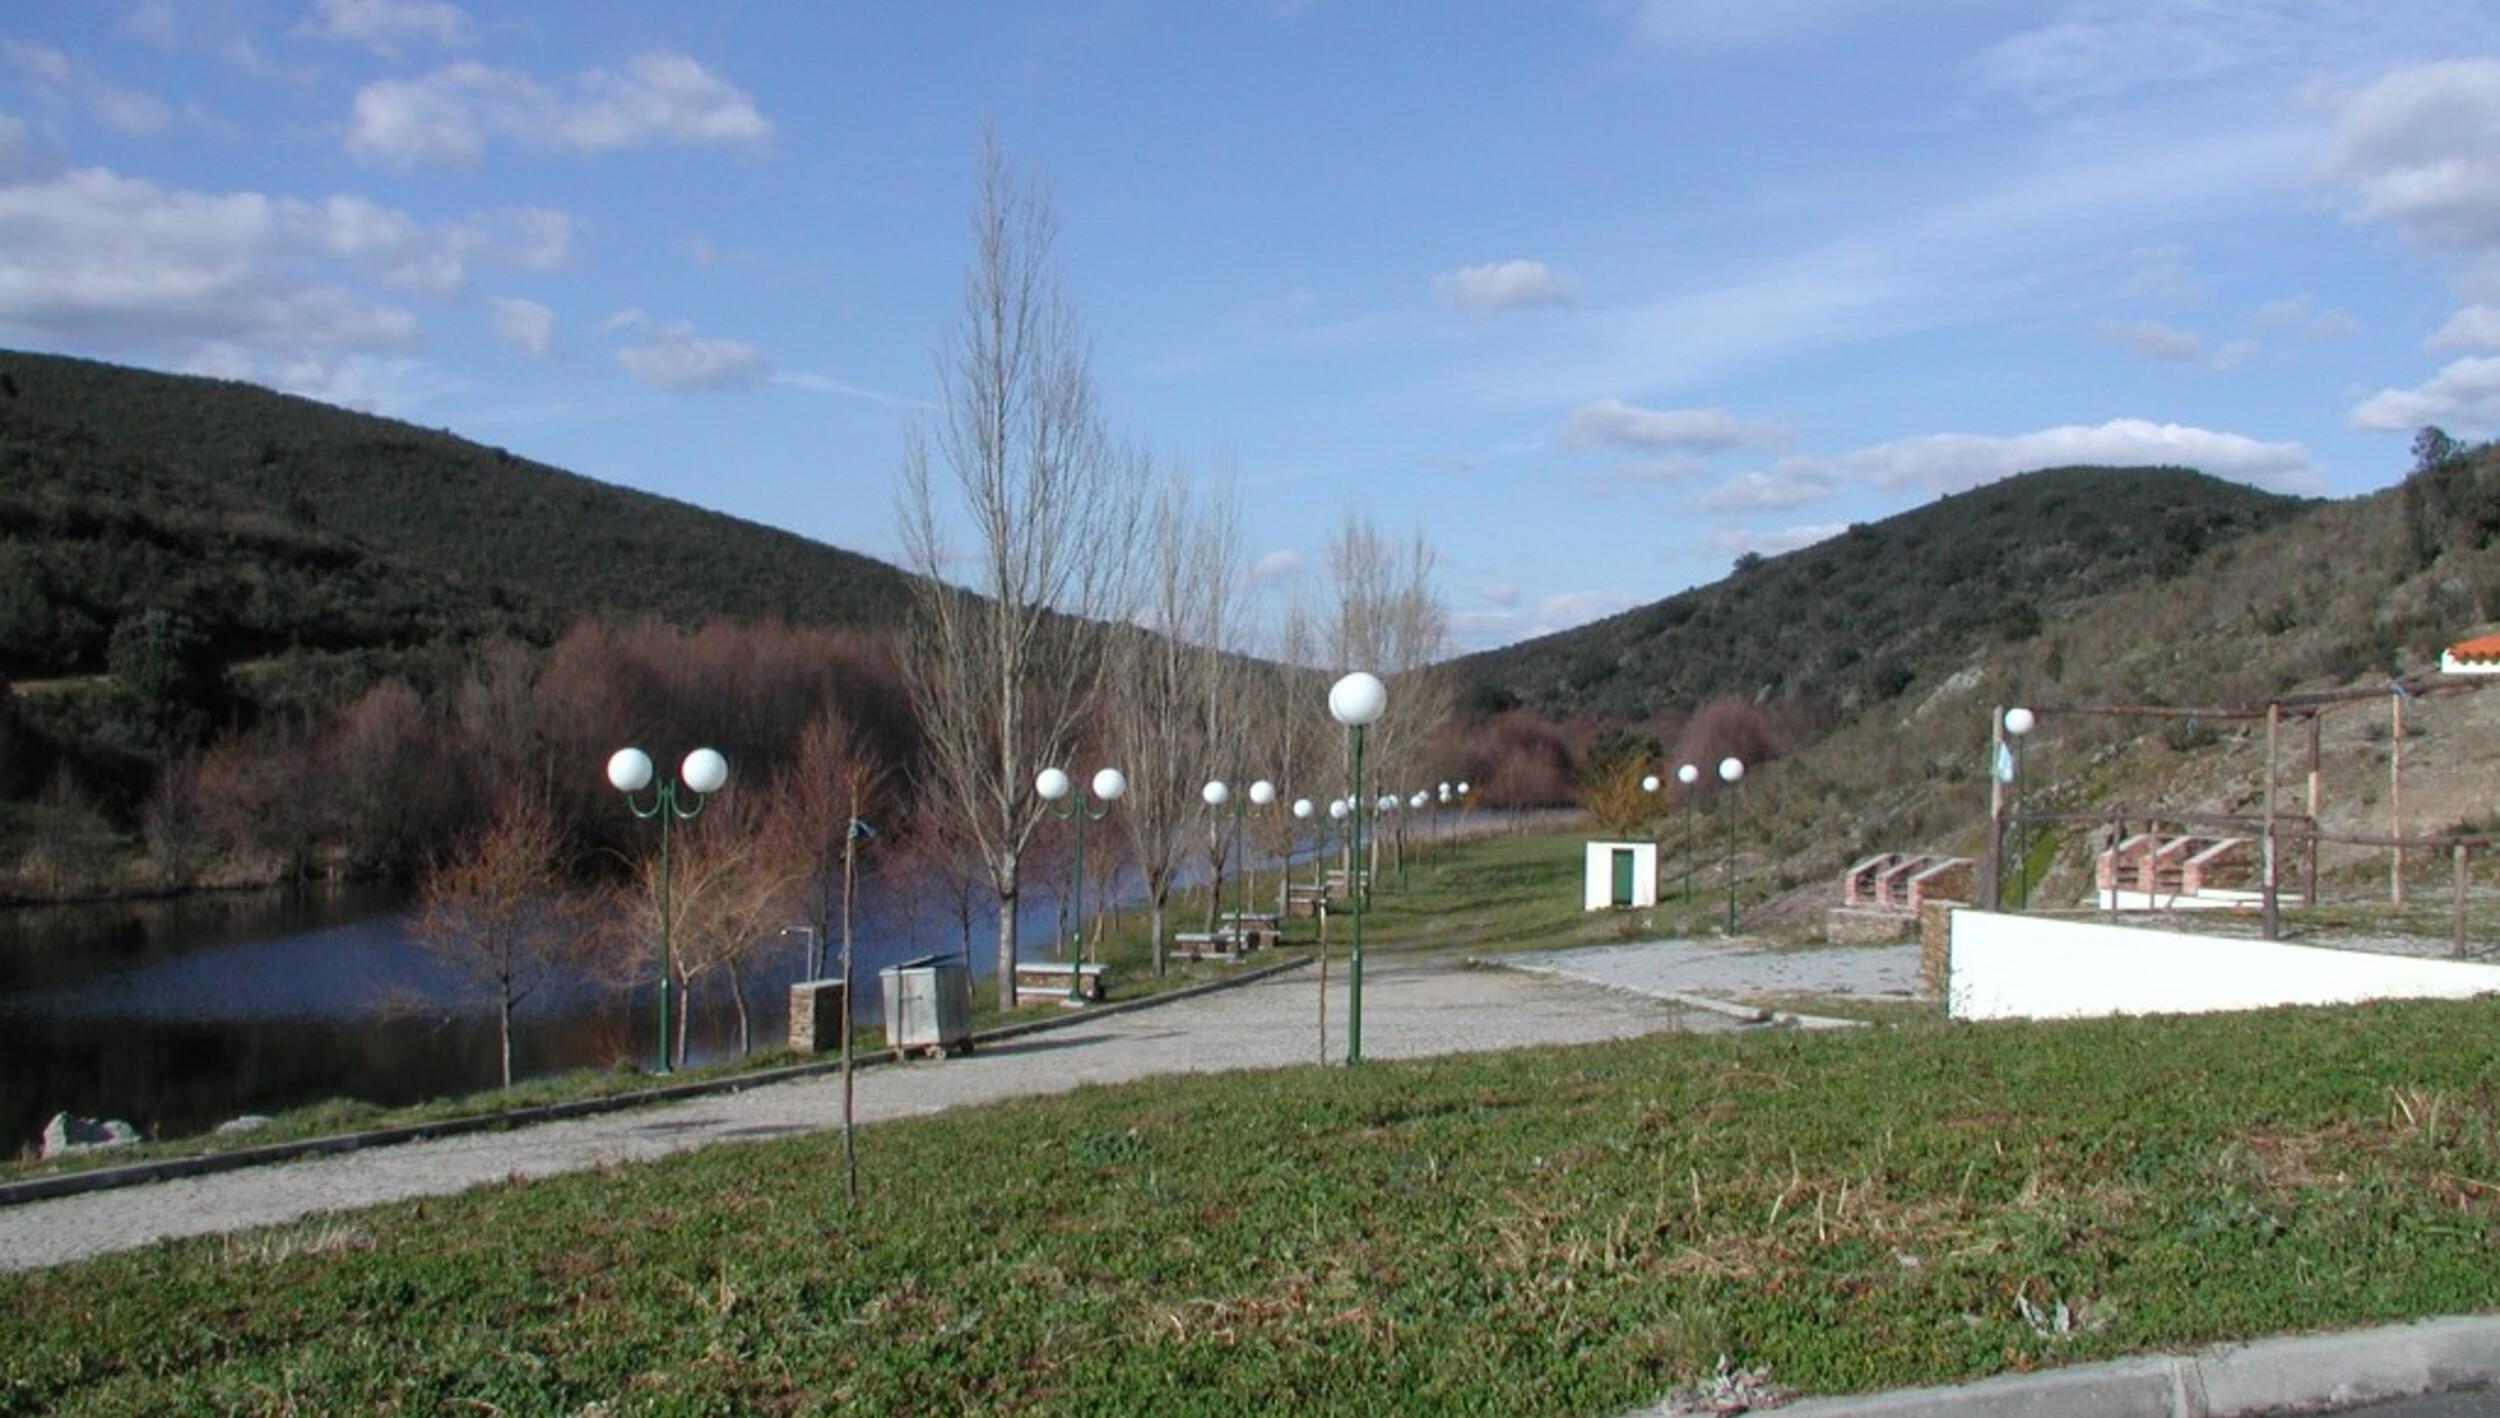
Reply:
x=2309, y=874
x=2456, y=931
x=2274, y=913
x=2396, y=803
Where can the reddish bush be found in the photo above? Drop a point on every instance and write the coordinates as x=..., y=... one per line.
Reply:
x=1725, y=727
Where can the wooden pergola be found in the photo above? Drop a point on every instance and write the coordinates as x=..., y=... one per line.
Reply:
x=2274, y=827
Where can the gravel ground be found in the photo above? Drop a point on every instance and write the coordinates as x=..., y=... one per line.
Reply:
x=1737, y=971
x=1411, y=1008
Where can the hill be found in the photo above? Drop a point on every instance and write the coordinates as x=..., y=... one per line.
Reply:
x=275, y=522
x=1850, y=623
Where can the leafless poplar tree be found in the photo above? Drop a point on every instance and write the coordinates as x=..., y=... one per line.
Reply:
x=1391, y=621
x=1002, y=676
x=1289, y=728
x=1168, y=673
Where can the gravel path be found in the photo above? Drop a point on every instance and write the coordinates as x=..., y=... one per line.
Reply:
x=1411, y=1008
x=1733, y=970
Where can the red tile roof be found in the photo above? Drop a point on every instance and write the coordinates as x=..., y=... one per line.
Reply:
x=2481, y=647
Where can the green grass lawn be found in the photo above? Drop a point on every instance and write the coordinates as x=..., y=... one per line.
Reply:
x=1556, y=1231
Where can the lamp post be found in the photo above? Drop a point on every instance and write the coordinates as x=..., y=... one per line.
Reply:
x=1690, y=777
x=1356, y=701
x=1384, y=821
x=2018, y=726
x=629, y=772
x=807, y=960
x=1055, y=788
x=1216, y=794
x=1731, y=768
x=1303, y=810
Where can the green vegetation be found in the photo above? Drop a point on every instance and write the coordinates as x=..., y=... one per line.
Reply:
x=1568, y=1230
x=1849, y=623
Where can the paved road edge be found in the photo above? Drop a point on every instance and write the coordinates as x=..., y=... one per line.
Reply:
x=2293, y=1374
x=98, y=1179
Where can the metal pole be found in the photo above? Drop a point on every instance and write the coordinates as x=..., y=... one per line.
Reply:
x=1992, y=868
x=2273, y=904
x=1690, y=827
x=668, y=956
x=2022, y=832
x=1076, y=894
x=1731, y=859
x=1354, y=966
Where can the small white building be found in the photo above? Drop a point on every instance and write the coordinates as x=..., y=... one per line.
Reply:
x=1622, y=874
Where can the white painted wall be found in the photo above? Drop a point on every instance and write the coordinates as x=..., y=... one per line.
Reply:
x=2003, y=966
x=1600, y=892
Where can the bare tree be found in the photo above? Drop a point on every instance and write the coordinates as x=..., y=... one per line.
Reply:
x=819, y=819
x=728, y=892
x=1391, y=621
x=1286, y=726
x=1172, y=674
x=495, y=910
x=1001, y=678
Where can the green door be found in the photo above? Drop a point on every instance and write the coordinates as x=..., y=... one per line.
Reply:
x=1623, y=876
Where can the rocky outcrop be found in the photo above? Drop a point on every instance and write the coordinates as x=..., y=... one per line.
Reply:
x=66, y=1136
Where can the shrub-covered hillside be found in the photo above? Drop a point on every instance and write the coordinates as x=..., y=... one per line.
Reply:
x=150, y=476
x=1849, y=623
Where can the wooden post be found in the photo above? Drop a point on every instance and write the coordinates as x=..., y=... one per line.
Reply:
x=2274, y=916
x=2396, y=804
x=2309, y=873
x=1991, y=867
x=2456, y=928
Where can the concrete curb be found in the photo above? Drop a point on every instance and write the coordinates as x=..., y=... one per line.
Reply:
x=1742, y=1013
x=235, y=1159
x=2300, y=1373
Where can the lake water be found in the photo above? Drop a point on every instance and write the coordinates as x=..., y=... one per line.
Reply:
x=177, y=1015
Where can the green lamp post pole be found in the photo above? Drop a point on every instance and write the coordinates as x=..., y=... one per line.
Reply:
x=1690, y=777
x=702, y=772
x=1056, y=788
x=1731, y=769
x=2018, y=725
x=1356, y=701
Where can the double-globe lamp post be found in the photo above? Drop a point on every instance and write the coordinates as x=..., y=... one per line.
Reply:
x=703, y=771
x=1055, y=787
x=1356, y=701
x=1216, y=794
x=1689, y=776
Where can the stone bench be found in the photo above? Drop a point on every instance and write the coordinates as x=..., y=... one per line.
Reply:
x=1049, y=979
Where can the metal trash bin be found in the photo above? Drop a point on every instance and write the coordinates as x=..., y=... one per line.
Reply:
x=928, y=1006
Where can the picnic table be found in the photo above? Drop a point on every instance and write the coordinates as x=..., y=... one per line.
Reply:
x=1253, y=929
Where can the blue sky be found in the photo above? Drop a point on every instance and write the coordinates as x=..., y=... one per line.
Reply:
x=1598, y=295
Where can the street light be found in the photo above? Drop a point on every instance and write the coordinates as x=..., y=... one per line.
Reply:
x=1731, y=768
x=1055, y=787
x=1356, y=701
x=1216, y=794
x=702, y=771
x=2018, y=724
x=1688, y=775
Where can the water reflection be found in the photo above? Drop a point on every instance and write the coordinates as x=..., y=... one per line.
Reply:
x=178, y=1015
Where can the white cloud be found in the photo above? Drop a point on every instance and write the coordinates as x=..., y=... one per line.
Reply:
x=1501, y=593
x=381, y=384
x=18, y=155
x=450, y=115
x=153, y=23
x=1737, y=541
x=1789, y=483
x=1275, y=566
x=2151, y=339
x=525, y=325
x=1612, y=422
x=383, y=26
x=1721, y=26
x=1952, y=462
x=2160, y=273
x=1570, y=608
x=2299, y=315
x=2466, y=393
x=92, y=258
x=801, y=379
x=1503, y=285
x=2422, y=146
x=2476, y=327
x=677, y=360
x=57, y=81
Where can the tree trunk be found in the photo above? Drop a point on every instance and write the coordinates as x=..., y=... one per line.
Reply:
x=738, y=999
x=685, y=998
x=1155, y=911
x=1006, y=883
x=503, y=1022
